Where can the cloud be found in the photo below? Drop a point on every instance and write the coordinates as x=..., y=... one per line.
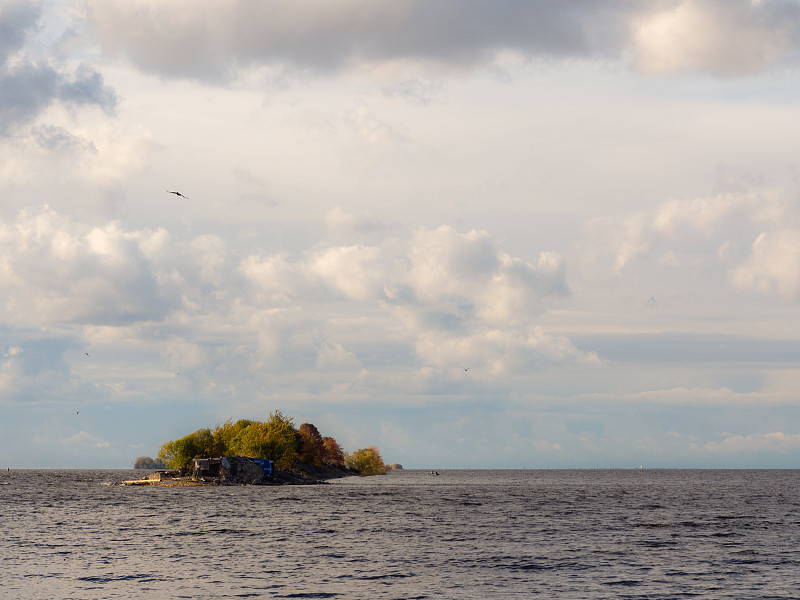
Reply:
x=764, y=442
x=697, y=224
x=720, y=398
x=440, y=300
x=499, y=352
x=12, y=350
x=57, y=270
x=727, y=38
x=545, y=446
x=16, y=18
x=86, y=88
x=85, y=439
x=470, y=274
x=773, y=267
x=34, y=369
x=28, y=88
x=459, y=297
x=354, y=271
x=464, y=275
x=751, y=235
x=212, y=40
x=341, y=223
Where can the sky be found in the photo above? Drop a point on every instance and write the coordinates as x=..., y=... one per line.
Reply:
x=472, y=233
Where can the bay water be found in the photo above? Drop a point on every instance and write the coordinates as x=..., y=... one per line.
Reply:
x=408, y=535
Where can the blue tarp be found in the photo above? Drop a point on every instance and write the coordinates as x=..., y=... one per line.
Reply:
x=264, y=464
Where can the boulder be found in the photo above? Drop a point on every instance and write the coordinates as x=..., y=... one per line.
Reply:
x=240, y=470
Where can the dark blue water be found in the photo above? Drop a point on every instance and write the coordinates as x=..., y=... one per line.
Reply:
x=464, y=534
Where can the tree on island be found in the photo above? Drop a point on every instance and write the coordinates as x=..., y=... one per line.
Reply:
x=332, y=453
x=311, y=445
x=367, y=461
x=145, y=462
x=275, y=439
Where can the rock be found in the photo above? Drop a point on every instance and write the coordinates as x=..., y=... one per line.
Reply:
x=240, y=470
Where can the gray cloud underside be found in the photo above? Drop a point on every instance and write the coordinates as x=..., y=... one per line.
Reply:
x=27, y=88
x=209, y=40
x=16, y=18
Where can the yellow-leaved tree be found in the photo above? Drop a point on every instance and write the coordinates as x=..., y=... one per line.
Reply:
x=367, y=461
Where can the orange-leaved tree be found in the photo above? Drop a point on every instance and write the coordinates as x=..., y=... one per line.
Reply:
x=332, y=452
x=311, y=445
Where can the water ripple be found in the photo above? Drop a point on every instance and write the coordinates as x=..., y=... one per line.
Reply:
x=465, y=534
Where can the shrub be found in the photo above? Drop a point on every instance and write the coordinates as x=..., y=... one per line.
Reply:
x=145, y=462
x=331, y=452
x=180, y=453
x=367, y=461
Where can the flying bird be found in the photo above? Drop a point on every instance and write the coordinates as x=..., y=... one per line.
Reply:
x=86, y=353
x=178, y=194
x=467, y=369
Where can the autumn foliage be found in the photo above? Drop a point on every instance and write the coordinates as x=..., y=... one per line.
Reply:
x=276, y=439
x=367, y=461
x=332, y=453
x=311, y=445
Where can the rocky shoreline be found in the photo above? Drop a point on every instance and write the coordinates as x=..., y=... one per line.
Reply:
x=241, y=471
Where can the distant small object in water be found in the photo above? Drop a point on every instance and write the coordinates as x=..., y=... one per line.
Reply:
x=178, y=194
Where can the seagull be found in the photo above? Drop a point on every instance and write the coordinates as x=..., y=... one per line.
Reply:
x=177, y=194
x=467, y=369
x=86, y=353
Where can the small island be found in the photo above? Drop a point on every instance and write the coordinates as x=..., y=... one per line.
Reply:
x=247, y=452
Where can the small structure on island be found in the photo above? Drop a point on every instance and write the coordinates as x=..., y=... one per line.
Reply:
x=206, y=467
x=242, y=470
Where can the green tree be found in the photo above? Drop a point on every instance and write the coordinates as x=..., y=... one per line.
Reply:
x=224, y=435
x=277, y=440
x=204, y=443
x=284, y=438
x=180, y=453
x=145, y=462
x=367, y=461
x=251, y=441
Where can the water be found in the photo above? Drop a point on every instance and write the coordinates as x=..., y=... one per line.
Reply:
x=464, y=534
